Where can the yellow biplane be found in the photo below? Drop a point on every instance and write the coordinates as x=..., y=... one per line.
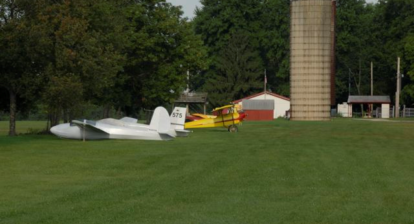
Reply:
x=227, y=117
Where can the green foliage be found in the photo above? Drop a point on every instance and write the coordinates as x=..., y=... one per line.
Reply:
x=275, y=44
x=64, y=93
x=217, y=21
x=393, y=25
x=162, y=48
x=239, y=72
x=409, y=54
x=19, y=70
x=408, y=91
x=120, y=53
x=79, y=44
x=355, y=48
x=265, y=22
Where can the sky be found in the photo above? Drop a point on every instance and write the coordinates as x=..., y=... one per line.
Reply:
x=190, y=5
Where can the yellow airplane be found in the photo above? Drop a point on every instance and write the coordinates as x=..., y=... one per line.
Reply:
x=227, y=117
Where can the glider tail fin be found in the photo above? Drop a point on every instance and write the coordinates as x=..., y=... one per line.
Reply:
x=178, y=118
x=160, y=120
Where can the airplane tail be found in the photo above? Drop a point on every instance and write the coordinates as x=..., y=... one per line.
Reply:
x=178, y=118
x=160, y=121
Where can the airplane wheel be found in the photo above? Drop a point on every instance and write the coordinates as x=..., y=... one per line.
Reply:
x=233, y=128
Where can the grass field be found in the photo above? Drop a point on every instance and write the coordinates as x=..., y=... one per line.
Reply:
x=343, y=171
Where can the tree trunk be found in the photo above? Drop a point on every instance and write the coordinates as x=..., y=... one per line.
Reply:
x=70, y=115
x=358, y=85
x=54, y=118
x=48, y=123
x=118, y=112
x=106, y=110
x=12, y=127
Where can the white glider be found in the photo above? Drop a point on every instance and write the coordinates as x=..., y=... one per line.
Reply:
x=161, y=127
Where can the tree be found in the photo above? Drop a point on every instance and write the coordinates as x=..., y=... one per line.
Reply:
x=239, y=72
x=408, y=91
x=18, y=67
x=265, y=22
x=355, y=47
x=217, y=21
x=396, y=19
x=162, y=48
x=82, y=43
x=62, y=93
x=274, y=45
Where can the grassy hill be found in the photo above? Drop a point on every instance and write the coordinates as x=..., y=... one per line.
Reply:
x=343, y=171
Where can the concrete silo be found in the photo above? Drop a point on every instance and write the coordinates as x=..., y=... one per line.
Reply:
x=312, y=59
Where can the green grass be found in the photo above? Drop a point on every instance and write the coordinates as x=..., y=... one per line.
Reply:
x=344, y=171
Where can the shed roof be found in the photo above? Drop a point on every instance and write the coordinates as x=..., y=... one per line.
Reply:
x=262, y=93
x=369, y=99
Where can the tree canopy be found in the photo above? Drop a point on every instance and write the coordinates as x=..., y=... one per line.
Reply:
x=239, y=72
x=126, y=54
x=265, y=23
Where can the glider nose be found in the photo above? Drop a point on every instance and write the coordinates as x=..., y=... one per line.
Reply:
x=57, y=130
x=54, y=130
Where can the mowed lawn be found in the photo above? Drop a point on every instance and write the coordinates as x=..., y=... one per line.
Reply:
x=343, y=171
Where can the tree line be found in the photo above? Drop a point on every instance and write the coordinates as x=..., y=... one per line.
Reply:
x=124, y=54
x=365, y=33
x=132, y=54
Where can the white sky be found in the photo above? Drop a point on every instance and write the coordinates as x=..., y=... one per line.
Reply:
x=190, y=5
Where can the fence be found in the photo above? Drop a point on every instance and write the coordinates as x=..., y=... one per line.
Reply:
x=405, y=112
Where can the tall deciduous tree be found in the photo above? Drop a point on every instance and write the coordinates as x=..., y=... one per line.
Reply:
x=408, y=91
x=239, y=72
x=19, y=70
x=355, y=48
x=81, y=43
x=162, y=48
x=372, y=32
x=274, y=45
x=397, y=27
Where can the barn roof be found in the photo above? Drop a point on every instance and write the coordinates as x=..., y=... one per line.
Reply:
x=262, y=93
x=369, y=99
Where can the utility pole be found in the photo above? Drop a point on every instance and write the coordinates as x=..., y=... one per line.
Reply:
x=349, y=81
x=372, y=78
x=397, y=94
x=188, y=81
x=371, y=106
x=265, y=82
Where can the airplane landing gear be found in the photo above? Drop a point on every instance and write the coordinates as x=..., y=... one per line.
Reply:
x=233, y=128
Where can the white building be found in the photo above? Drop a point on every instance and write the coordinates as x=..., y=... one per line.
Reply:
x=344, y=110
x=281, y=103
